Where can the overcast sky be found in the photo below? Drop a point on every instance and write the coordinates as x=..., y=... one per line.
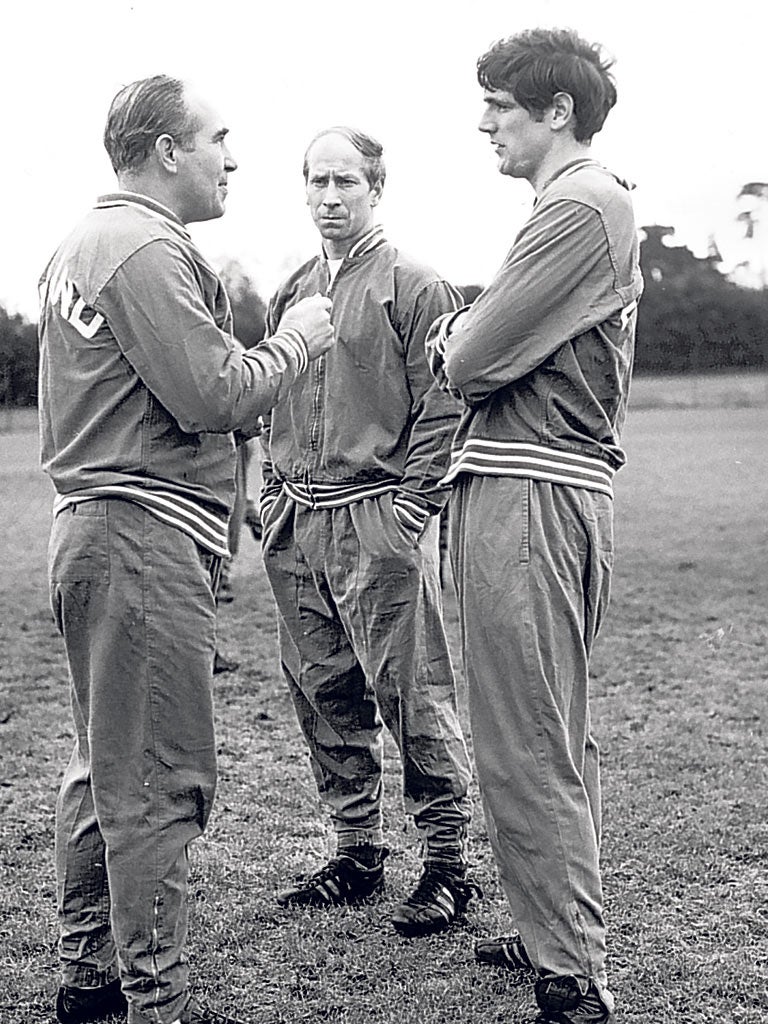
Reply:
x=689, y=128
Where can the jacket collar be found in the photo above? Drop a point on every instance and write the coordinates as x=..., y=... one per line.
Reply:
x=576, y=165
x=136, y=199
x=370, y=240
x=570, y=168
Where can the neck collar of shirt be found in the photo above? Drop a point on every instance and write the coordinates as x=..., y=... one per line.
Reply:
x=125, y=198
x=570, y=168
x=367, y=243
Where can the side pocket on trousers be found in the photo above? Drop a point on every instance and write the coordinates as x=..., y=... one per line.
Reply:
x=598, y=514
x=79, y=544
x=272, y=514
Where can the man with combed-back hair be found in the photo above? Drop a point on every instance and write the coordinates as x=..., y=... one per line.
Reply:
x=142, y=388
x=142, y=111
x=350, y=512
x=542, y=362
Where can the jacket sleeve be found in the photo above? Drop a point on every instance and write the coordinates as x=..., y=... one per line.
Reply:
x=535, y=303
x=271, y=485
x=155, y=307
x=437, y=339
x=435, y=414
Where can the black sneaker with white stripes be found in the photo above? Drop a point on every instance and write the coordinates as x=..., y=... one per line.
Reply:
x=504, y=951
x=343, y=879
x=441, y=895
x=561, y=1001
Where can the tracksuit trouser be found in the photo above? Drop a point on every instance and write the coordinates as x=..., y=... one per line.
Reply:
x=362, y=642
x=532, y=562
x=134, y=600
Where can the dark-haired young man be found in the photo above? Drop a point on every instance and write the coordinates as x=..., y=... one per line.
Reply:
x=542, y=361
x=141, y=388
x=350, y=508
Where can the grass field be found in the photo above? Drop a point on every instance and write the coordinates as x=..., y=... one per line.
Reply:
x=679, y=708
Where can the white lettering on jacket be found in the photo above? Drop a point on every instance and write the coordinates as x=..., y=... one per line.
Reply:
x=72, y=306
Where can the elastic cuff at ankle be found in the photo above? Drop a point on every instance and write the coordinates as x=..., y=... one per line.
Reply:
x=346, y=837
x=89, y=977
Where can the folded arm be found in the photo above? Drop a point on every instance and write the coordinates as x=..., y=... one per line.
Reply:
x=535, y=303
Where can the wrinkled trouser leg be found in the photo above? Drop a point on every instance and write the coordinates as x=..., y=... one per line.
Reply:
x=134, y=601
x=362, y=641
x=237, y=515
x=532, y=562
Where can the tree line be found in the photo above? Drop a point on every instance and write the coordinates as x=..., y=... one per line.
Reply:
x=691, y=319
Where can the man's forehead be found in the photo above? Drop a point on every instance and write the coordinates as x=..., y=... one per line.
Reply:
x=207, y=117
x=335, y=153
x=499, y=96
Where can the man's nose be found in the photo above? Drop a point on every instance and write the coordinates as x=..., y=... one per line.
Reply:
x=486, y=123
x=230, y=164
x=331, y=197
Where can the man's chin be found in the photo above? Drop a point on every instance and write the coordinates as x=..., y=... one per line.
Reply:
x=510, y=170
x=331, y=230
x=210, y=215
x=218, y=209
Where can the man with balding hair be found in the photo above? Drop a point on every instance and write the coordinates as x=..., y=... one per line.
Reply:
x=142, y=387
x=350, y=510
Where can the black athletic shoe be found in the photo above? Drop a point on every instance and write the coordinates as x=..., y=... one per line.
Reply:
x=504, y=951
x=342, y=880
x=561, y=1002
x=78, y=1005
x=440, y=896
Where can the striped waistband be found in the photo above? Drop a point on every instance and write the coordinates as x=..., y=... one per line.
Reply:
x=335, y=495
x=536, y=462
x=207, y=529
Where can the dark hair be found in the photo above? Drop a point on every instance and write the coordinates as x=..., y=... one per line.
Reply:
x=536, y=64
x=369, y=148
x=140, y=113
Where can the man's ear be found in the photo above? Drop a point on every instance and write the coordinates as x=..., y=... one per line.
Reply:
x=376, y=191
x=165, y=151
x=561, y=111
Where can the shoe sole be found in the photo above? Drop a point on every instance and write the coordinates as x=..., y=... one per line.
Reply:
x=416, y=929
x=499, y=960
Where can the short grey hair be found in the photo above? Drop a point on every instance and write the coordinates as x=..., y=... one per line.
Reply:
x=140, y=113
